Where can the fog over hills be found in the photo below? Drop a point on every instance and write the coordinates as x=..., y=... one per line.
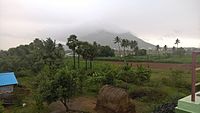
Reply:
x=104, y=37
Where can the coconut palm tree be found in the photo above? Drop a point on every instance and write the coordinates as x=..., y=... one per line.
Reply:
x=117, y=40
x=72, y=44
x=127, y=45
x=173, y=49
x=157, y=48
x=133, y=45
x=136, y=50
x=165, y=48
x=85, y=52
x=79, y=51
x=124, y=44
x=177, y=42
x=92, y=52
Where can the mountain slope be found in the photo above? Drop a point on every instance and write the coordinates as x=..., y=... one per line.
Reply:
x=107, y=38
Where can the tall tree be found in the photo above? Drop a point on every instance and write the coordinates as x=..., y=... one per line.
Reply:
x=173, y=49
x=85, y=52
x=117, y=40
x=165, y=48
x=157, y=48
x=79, y=51
x=92, y=52
x=52, y=54
x=133, y=45
x=127, y=46
x=72, y=44
x=124, y=44
x=60, y=53
x=177, y=42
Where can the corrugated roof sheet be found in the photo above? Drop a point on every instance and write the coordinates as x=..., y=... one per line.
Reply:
x=7, y=79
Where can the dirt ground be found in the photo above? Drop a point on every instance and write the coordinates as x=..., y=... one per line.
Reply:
x=159, y=65
x=81, y=103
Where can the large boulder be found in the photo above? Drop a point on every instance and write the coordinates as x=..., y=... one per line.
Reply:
x=114, y=100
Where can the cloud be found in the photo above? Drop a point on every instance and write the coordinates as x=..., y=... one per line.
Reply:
x=153, y=21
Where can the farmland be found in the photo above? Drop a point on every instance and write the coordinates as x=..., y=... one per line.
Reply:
x=162, y=83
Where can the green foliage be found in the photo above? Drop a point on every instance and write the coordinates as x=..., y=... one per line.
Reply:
x=139, y=76
x=105, y=51
x=141, y=52
x=142, y=74
x=1, y=107
x=29, y=59
x=126, y=74
x=110, y=77
x=117, y=41
x=104, y=74
x=59, y=87
x=176, y=79
x=95, y=81
x=148, y=94
x=39, y=107
x=180, y=51
x=165, y=108
x=72, y=43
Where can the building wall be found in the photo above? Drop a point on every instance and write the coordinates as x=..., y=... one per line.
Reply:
x=6, y=88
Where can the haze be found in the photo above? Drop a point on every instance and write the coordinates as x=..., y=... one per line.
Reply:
x=155, y=21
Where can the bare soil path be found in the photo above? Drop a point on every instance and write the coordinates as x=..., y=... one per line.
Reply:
x=82, y=103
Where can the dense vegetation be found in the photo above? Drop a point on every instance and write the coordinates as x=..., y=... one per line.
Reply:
x=46, y=76
x=30, y=59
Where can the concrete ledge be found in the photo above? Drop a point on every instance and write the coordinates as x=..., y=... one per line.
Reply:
x=185, y=105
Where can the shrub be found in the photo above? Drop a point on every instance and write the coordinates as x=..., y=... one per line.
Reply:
x=165, y=108
x=39, y=106
x=148, y=94
x=110, y=77
x=1, y=107
x=126, y=76
x=95, y=81
x=142, y=74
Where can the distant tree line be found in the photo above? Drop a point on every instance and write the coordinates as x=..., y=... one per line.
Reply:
x=130, y=47
x=175, y=50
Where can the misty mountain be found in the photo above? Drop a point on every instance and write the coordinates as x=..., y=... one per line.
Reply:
x=107, y=38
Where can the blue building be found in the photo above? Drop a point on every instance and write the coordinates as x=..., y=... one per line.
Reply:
x=7, y=82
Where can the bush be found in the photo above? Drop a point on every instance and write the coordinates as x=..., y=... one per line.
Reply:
x=148, y=94
x=165, y=108
x=110, y=77
x=126, y=76
x=95, y=81
x=142, y=74
x=1, y=107
x=39, y=106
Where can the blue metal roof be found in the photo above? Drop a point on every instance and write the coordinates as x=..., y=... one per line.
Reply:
x=7, y=79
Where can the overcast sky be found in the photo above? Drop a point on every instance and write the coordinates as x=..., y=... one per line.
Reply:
x=155, y=21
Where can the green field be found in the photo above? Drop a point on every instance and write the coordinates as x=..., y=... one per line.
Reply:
x=153, y=58
x=163, y=87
